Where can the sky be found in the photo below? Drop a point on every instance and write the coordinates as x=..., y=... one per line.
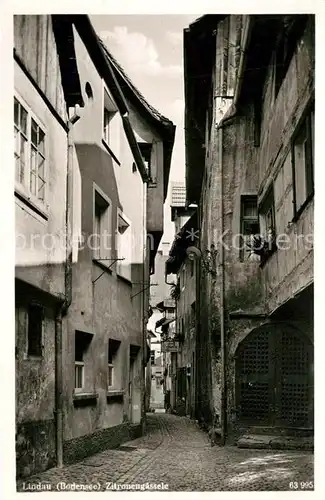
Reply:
x=150, y=50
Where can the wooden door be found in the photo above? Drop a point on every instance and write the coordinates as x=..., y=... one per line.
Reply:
x=274, y=379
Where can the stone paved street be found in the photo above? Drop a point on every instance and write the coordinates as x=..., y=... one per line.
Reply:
x=177, y=452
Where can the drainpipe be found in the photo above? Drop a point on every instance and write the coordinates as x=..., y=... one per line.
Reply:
x=64, y=306
x=145, y=274
x=222, y=304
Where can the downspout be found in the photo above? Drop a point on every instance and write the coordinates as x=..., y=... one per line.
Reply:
x=222, y=303
x=64, y=306
x=145, y=275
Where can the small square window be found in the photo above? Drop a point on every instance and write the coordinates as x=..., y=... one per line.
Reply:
x=35, y=330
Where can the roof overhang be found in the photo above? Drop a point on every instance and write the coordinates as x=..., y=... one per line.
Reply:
x=260, y=48
x=199, y=56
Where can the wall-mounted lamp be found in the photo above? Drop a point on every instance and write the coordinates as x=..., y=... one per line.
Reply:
x=208, y=258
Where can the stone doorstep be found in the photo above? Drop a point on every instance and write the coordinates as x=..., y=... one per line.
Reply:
x=260, y=441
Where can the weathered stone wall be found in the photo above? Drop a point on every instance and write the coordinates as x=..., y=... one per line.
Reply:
x=103, y=439
x=289, y=270
x=235, y=167
x=40, y=245
x=35, y=389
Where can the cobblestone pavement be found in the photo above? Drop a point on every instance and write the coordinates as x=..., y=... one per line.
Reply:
x=176, y=452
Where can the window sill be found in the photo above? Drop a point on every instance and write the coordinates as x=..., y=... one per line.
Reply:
x=23, y=195
x=85, y=398
x=108, y=149
x=113, y=396
x=32, y=357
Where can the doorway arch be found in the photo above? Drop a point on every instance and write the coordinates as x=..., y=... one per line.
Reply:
x=274, y=377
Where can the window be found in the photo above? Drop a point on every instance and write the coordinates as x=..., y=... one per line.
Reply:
x=29, y=152
x=35, y=330
x=145, y=149
x=113, y=346
x=109, y=111
x=152, y=357
x=102, y=240
x=249, y=225
x=124, y=246
x=302, y=161
x=82, y=341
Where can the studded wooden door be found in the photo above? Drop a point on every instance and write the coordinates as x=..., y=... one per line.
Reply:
x=274, y=378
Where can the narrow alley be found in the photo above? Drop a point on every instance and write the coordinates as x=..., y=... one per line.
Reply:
x=164, y=252
x=177, y=454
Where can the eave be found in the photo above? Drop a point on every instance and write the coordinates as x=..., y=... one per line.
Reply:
x=199, y=57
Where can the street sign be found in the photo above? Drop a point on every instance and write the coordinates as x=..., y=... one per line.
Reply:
x=169, y=346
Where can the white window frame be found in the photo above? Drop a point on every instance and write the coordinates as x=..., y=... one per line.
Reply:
x=110, y=366
x=79, y=364
x=23, y=188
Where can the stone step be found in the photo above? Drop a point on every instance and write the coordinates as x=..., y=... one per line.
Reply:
x=263, y=441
